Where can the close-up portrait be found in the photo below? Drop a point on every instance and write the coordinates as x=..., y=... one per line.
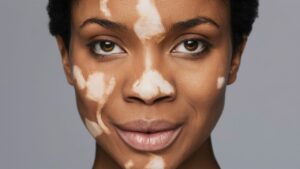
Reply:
x=149, y=84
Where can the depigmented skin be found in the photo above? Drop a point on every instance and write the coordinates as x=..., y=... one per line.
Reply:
x=195, y=101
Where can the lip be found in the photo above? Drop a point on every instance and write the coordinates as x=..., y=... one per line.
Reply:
x=149, y=136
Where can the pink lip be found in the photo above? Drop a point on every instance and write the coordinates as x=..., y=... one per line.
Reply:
x=149, y=135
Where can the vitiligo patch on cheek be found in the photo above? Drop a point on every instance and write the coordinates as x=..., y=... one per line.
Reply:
x=77, y=73
x=152, y=84
x=156, y=162
x=93, y=128
x=104, y=7
x=220, y=82
x=149, y=23
x=95, y=86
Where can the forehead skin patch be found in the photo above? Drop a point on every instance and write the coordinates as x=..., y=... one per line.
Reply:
x=220, y=82
x=129, y=164
x=93, y=128
x=152, y=84
x=149, y=23
x=156, y=162
x=77, y=73
x=104, y=7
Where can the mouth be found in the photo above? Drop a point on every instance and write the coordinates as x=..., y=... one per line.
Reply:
x=149, y=136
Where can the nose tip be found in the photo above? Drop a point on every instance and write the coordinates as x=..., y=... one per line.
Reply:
x=151, y=88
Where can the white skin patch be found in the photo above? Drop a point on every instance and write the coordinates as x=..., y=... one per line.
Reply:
x=220, y=82
x=93, y=128
x=151, y=84
x=156, y=162
x=148, y=26
x=149, y=23
x=95, y=86
x=98, y=91
x=129, y=164
x=104, y=7
x=77, y=73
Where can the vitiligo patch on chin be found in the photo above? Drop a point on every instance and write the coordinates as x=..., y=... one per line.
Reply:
x=149, y=23
x=156, y=162
x=152, y=84
x=104, y=7
x=93, y=128
x=129, y=164
x=220, y=82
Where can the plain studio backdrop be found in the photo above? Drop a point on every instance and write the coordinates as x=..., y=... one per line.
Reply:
x=40, y=127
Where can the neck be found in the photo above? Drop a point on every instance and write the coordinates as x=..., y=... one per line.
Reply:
x=202, y=158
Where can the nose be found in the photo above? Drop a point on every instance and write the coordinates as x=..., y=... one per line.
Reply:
x=150, y=89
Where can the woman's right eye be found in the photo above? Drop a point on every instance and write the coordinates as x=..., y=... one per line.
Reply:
x=105, y=48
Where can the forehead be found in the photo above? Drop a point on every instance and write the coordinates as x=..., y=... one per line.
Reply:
x=171, y=11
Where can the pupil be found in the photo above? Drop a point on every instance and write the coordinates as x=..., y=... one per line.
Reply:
x=107, y=46
x=191, y=45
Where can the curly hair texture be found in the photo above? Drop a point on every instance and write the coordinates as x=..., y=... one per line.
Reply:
x=243, y=15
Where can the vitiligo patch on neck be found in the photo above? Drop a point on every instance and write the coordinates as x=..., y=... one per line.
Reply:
x=104, y=7
x=149, y=23
x=152, y=84
x=156, y=162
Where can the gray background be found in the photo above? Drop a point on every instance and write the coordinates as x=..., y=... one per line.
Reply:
x=40, y=127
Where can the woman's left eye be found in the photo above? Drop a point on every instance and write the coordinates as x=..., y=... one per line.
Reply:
x=105, y=48
x=190, y=47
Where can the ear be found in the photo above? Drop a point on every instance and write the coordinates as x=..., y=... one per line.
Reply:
x=236, y=61
x=66, y=61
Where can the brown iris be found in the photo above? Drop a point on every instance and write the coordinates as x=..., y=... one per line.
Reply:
x=191, y=45
x=107, y=46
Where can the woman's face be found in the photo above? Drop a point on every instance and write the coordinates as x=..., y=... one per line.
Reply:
x=150, y=75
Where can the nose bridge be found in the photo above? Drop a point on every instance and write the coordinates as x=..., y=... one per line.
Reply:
x=151, y=85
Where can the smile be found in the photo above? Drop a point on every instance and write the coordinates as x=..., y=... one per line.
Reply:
x=149, y=136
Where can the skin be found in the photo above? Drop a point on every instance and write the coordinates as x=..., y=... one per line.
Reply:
x=197, y=96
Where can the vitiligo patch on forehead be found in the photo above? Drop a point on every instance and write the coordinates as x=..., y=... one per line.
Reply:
x=93, y=128
x=152, y=84
x=220, y=82
x=149, y=23
x=104, y=7
x=129, y=164
x=156, y=162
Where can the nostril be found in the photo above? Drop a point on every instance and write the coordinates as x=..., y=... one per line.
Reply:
x=163, y=99
x=154, y=100
x=133, y=99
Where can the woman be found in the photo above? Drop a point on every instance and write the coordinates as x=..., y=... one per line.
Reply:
x=150, y=75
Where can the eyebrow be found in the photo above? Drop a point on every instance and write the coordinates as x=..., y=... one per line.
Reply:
x=177, y=26
x=194, y=22
x=104, y=23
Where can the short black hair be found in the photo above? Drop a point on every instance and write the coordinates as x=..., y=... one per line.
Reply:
x=243, y=15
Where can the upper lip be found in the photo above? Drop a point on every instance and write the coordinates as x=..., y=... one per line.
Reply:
x=148, y=126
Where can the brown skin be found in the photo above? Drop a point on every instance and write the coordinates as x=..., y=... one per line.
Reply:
x=197, y=103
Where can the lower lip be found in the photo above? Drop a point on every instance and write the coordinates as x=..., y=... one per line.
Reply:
x=149, y=142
